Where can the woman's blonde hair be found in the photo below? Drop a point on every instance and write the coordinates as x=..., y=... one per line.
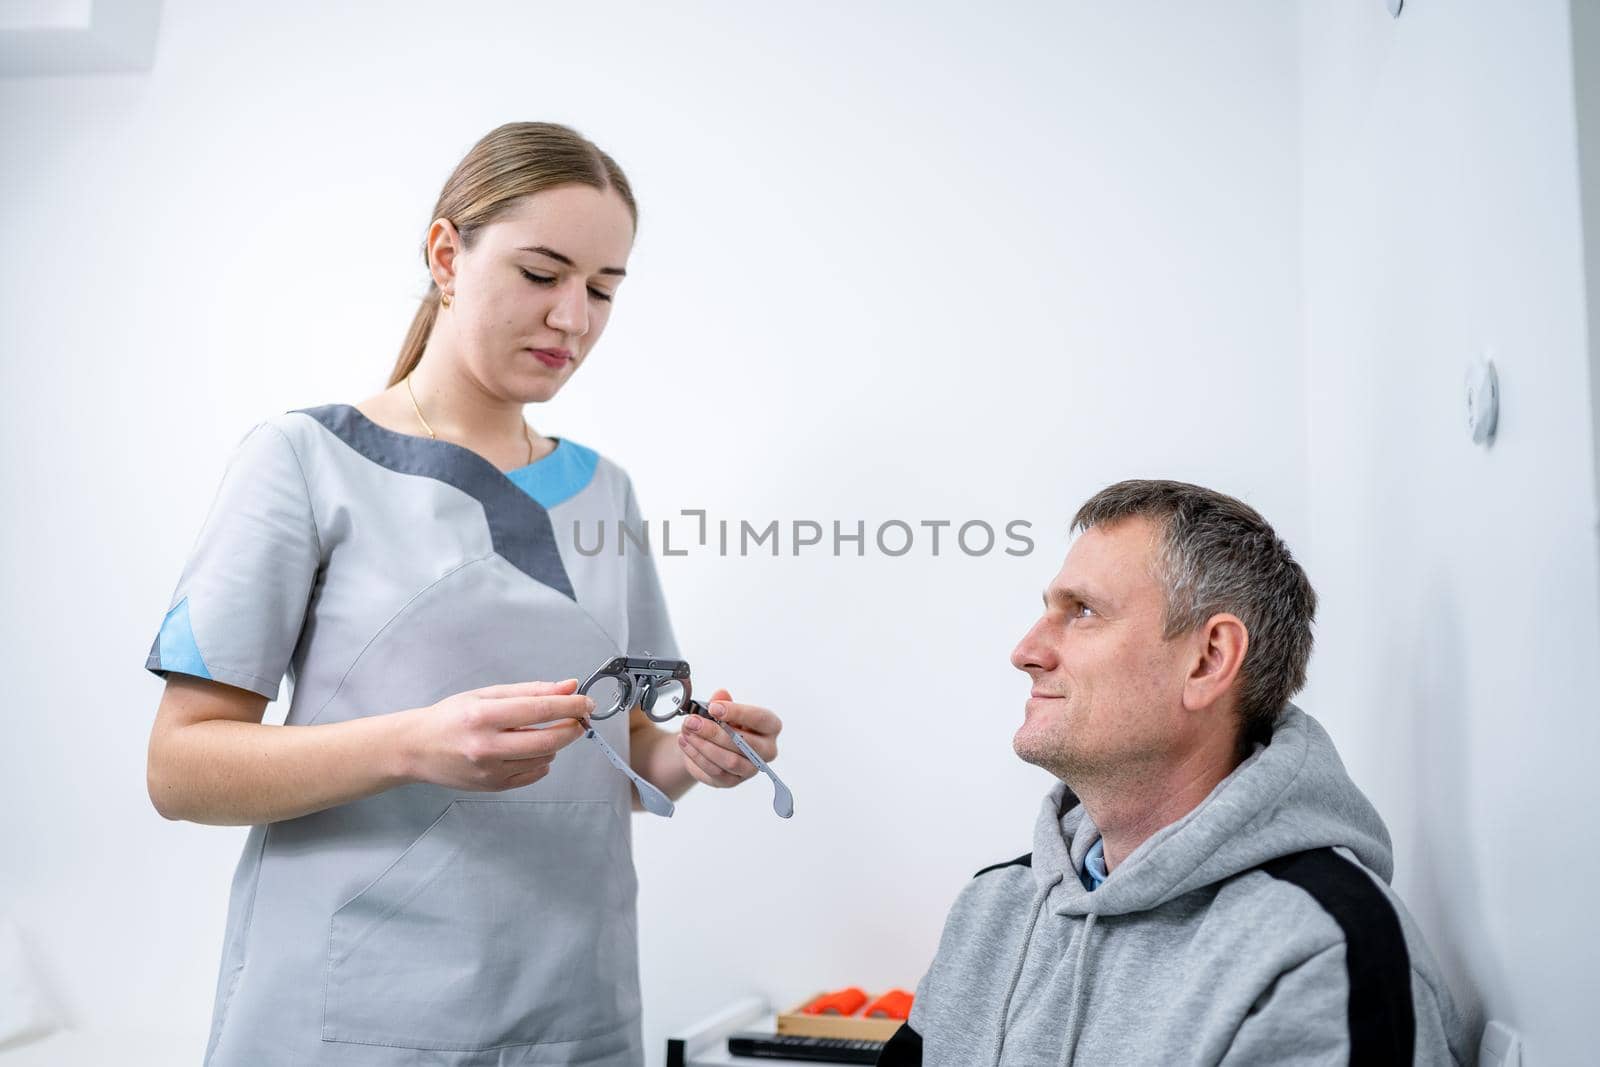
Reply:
x=510, y=162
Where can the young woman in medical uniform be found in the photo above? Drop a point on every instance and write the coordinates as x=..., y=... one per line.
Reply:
x=424, y=882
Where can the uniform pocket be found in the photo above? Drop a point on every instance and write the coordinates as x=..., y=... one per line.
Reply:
x=505, y=923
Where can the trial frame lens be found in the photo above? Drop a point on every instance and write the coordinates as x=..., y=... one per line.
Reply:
x=663, y=699
x=611, y=693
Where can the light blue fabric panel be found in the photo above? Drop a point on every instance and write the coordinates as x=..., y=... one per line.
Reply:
x=558, y=477
x=249, y=577
x=176, y=643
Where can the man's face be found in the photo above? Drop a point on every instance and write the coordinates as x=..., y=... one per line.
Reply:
x=1107, y=688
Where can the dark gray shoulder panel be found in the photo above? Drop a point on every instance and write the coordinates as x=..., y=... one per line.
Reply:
x=1020, y=861
x=1382, y=1026
x=519, y=528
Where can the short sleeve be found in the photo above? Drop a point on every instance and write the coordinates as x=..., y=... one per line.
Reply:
x=649, y=627
x=240, y=604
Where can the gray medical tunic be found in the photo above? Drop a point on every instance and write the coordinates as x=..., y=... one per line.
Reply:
x=383, y=571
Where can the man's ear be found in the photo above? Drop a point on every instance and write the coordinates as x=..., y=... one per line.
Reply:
x=1220, y=646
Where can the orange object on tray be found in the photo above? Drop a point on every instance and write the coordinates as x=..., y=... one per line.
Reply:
x=895, y=1004
x=812, y=1018
x=846, y=1001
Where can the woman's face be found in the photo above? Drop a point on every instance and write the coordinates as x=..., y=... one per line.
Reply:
x=533, y=295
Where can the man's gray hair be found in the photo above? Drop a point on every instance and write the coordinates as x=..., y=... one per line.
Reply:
x=1217, y=554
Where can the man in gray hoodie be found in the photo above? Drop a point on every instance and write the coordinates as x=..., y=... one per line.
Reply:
x=1207, y=886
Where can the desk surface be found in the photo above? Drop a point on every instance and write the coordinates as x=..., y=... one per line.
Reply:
x=706, y=1043
x=718, y=1055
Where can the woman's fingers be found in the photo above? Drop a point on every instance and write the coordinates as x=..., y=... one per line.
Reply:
x=529, y=689
x=727, y=759
x=527, y=762
x=513, y=732
x=536, y=770
x=544, y=741
x=465, y=741
x=703, y=763
x=752, y=721
x=511, y=712
x=709, y=747
x=765, y=745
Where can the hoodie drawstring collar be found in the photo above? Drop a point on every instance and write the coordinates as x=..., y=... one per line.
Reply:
x=1016, y=972
x=1080, y=991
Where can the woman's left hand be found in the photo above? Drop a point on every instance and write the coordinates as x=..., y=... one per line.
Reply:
x=710, y=754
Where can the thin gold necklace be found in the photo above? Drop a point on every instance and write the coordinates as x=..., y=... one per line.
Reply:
x=526, y=429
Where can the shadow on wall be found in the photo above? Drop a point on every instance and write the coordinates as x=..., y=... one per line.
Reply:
x=1445, y=897
x=1586, y=79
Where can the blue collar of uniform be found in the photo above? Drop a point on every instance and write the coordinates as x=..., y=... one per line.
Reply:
x=559, y=476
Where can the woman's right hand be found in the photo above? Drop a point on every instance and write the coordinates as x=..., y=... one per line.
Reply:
x=486, y=740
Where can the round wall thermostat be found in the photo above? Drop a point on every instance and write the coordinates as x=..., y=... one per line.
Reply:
x=1483, y=401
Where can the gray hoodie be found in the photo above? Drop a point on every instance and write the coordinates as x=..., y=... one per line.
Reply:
x=1258, y=929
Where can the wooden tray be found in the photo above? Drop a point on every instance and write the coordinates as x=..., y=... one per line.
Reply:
x=794, y=1021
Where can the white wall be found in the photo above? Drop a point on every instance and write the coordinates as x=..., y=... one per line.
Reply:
x=917, y=262
x=1458, y=644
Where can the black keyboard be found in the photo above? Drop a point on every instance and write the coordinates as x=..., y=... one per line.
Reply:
x=795, y=1047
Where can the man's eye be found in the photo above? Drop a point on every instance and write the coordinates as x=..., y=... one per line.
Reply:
x=1082, y=611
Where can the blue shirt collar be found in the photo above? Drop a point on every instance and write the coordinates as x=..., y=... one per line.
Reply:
x=1094, y=866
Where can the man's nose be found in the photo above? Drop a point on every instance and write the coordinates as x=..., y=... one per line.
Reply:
x=570, y=313
x=1033, y=652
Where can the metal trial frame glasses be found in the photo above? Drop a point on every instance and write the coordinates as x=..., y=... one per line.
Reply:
x=660, y=688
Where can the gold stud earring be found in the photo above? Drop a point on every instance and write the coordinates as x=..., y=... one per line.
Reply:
x=444, y=298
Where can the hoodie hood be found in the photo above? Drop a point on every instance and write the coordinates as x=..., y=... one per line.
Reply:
x=1209, y=944
x=1288, y=796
